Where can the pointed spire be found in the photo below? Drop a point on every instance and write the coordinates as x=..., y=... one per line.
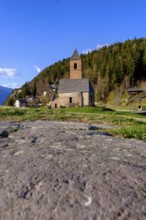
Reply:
x=75, y=55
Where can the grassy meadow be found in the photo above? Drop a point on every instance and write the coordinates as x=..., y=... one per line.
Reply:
x=123, y=123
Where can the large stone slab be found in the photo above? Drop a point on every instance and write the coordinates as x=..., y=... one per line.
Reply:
x=67, y=171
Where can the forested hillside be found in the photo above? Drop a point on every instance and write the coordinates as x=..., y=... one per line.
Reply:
x=111, y=69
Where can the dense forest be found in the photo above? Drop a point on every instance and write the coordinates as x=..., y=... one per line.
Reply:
x=112, y=68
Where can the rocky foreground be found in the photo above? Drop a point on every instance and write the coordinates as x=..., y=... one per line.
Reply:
x=68, y=171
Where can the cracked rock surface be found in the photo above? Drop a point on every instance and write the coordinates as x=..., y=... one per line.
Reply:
x=67, y=171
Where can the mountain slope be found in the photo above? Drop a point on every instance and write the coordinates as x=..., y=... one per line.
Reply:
x=112, y=70
x=4, y=93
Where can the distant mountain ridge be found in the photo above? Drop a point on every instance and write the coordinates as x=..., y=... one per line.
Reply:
x=4, y=93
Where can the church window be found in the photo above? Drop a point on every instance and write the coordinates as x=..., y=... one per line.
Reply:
x=75, y=66
x=70, y=100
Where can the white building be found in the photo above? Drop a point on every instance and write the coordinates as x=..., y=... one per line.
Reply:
x=20, y=103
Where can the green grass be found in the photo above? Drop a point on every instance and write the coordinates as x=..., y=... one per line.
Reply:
x=137, y=132
x=123, y=123
x=143, y=192
x=143, y=156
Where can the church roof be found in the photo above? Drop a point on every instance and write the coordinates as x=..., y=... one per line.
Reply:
x=75, y=56
x=75, y=85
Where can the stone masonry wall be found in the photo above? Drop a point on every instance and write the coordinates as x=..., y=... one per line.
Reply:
x=63, y=100
x=85, y=99
x=77, y=100
x=75, y=73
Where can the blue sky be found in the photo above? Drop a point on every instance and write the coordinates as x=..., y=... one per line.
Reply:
x=37, y=33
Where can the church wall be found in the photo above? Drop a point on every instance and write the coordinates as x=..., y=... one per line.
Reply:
x=91, y=99
x=85, y=98
x=78, y=99
x=64, y=100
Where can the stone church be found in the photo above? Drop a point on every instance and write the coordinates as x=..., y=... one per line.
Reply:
x=76, y=91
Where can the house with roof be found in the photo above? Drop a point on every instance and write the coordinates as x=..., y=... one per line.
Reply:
x=20, y=103
x=75, y=91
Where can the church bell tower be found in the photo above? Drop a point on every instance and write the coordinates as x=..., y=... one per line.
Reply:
x=75, y=66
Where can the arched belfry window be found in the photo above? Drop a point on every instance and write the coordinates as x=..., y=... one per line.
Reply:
x=75, y=66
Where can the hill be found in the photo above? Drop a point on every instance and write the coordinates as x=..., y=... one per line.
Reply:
x=112, y=70
x=4, y=93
